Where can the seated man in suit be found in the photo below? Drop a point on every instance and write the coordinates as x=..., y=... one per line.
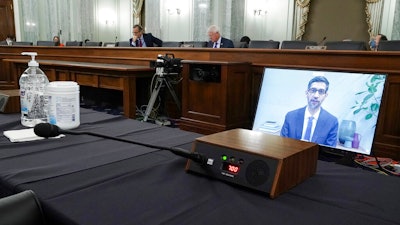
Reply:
x=141, y=39
x=216, y=40
x=312, y=123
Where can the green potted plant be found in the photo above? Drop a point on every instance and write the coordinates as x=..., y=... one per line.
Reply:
x=370, y=104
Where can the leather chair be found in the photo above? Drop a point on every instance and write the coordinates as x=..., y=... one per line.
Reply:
x=73, y=43
x=122, y=44
x=21, y=209
x=109, y=44
x=297, y=44
x=264, y=44
x=94, y=43
x=172, y=44
x=45, y=43
x=393, y=45
x=22, y=43
x=240, y=44
x=346, y=45
x=194, y=44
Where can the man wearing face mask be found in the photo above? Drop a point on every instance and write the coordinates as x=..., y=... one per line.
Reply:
x=375, y=41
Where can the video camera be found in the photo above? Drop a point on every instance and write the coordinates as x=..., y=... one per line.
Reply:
x=169, y=63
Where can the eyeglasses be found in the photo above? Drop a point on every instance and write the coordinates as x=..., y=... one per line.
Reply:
x=314, y=90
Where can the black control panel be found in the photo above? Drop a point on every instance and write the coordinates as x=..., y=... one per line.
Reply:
x=236, y=166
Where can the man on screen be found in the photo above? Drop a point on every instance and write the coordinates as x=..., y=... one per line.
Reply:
x=312, y=123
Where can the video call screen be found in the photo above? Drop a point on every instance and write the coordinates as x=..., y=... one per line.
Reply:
x=353, y=98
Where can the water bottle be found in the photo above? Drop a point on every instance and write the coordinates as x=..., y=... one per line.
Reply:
x=32, y=85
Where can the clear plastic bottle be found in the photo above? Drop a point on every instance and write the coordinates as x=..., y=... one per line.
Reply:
x=32, y=85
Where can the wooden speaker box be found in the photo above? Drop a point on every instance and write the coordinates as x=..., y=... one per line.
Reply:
x=263, y=162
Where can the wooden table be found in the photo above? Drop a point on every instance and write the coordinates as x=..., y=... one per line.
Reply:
x=125, y=78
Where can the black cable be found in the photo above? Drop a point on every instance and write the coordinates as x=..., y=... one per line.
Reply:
x=379, y=164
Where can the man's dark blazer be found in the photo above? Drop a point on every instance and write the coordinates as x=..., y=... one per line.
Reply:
x=325, y=132
x=225, y=43
x=149, y=39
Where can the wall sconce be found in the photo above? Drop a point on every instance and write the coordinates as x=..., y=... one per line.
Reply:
x=30, y=24
x=109, y=22
x=172, y=12
x=107, y=17
x=260, y=12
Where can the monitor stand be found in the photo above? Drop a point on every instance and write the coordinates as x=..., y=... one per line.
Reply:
x=347, y=159
x=338, y=156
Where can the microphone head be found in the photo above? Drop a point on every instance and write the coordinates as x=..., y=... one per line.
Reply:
x=46, y=130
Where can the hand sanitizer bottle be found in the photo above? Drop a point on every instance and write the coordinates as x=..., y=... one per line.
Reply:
x=32, y=85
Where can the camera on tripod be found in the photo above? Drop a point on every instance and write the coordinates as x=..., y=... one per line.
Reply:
x=168, y=63
x=164, y=65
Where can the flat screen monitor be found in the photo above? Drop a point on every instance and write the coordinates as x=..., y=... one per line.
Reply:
x=343, y=112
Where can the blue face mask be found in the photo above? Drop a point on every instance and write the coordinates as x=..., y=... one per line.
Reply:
x=372, y=44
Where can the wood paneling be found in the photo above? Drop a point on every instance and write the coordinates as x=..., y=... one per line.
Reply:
x=209, y=107
x=7, y=26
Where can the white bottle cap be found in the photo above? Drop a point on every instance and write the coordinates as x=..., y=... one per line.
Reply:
x=32, y=62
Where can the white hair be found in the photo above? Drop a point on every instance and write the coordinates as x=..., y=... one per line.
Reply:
x=213, y=29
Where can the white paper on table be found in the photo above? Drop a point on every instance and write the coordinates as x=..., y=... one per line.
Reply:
x=24, y=135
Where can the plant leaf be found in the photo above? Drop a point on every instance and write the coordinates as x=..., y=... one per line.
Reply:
x=368, y=116
x=374, y=107
x=367, y=97
x=361, y=92
x=357, y=111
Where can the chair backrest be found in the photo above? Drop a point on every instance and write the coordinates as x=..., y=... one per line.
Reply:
x=239, y=44
x=194, y=44
x=122, y=44
x=172, y=43
x=393, y=45
x=22, y=43
x=297, y=44
x=264, y=44
x=93, y=43
x=109, y=44
x=21, y=209
x=346, y=45
x=73, y=43
x=45, y=43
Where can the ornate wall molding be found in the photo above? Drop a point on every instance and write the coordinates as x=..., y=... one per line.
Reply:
x=302, y=10
x=137, y=6
x=373, y=10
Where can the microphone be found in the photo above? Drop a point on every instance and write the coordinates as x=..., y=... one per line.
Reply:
x=48, y=130
x=322, y=42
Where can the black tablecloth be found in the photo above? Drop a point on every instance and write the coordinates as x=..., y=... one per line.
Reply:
x=93, y=181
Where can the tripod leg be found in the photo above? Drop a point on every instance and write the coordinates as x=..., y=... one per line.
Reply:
x=172, y=91
x=153, y=98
